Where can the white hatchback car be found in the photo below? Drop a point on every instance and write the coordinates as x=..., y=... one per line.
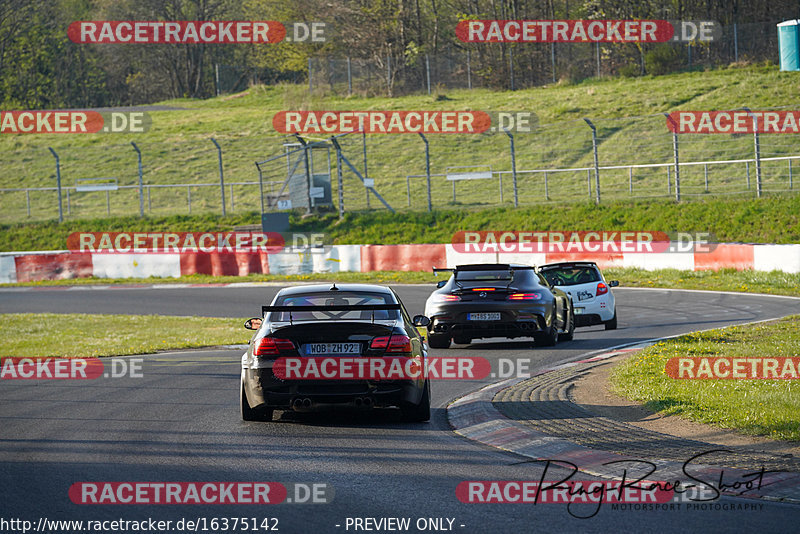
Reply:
x=591, y=295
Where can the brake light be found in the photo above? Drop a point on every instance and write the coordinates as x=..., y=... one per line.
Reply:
x=448, y=298
x=379, y=342
x=393, y=343
x=602, y=289
x=399, y=343
x=268, y=346
x=524, y=296
x=484, y=289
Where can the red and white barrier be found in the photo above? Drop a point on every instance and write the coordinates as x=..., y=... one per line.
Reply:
x=54, y=265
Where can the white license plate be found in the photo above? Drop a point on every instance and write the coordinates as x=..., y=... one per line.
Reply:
x=494, y=316
x=578, y=311
x=316, y=349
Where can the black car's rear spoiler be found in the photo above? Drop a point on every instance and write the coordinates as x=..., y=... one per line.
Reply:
x=333, y=307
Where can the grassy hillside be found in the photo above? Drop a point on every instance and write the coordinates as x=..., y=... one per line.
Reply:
x=767, y=220
x=626, y=111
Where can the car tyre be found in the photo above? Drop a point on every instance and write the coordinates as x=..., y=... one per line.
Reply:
x=438, y=341
x=549, y=338
x=611, y=324
x=570, y=331
x=252, y=414
x=421, y=412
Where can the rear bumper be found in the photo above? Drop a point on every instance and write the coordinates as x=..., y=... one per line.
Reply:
x=487, y=329
x=264, y=390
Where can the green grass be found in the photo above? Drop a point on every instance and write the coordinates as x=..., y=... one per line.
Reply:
x=758, y=407
x=177, y=149
x=86, y=335
x=776, y=282
x=772, y=219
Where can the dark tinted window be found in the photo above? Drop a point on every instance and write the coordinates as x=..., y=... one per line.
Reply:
x=331, y=298
x=570, y=276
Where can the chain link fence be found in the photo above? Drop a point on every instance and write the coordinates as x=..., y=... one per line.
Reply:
x=588, y=159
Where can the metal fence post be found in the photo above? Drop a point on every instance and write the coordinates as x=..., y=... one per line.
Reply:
x=141, y=186
x=553, y=60
x=589, y=181
x=189, y=198
x=28, y=195
x=221, y=179
x=427, y=171
x=735, y=43
x=790, y=181
x=58, y=183
x=705, y=175
x=513, y=167
x=675, y=156
x=596, y=160
x=260, y=186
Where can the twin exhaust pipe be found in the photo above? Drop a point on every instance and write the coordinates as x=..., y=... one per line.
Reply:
x=299, y=404
x=363, y=402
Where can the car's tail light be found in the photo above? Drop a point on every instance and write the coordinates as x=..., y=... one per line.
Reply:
x=393, y=343
x=524, y=296
x=448, y=298
x=269, y=346
x=484, y=289
x=602, y=289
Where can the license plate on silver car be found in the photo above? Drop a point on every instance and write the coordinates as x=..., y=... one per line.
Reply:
x=316, y=349
x=491, y=316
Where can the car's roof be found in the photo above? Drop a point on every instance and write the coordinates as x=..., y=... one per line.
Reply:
x=568, y=264
x=321, y=288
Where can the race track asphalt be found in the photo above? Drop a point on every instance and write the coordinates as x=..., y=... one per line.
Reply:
x=179, y=421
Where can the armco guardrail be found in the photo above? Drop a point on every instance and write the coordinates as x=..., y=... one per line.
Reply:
x=55, y=265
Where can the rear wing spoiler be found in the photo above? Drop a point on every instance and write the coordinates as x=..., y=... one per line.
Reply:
x=484, y=267
x=333, y=307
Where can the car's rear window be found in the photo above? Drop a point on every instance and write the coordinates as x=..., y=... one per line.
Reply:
x=571, y=276
x=330, y=298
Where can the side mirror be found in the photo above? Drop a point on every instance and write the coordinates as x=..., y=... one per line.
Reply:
x=441, y=283
x=613, y=283
x=421, y=320
x=253, y=324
